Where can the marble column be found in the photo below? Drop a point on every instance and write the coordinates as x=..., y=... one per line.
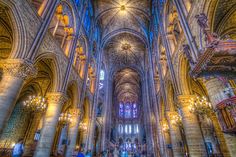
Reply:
x=15, y=71
x=175, y=135
x=73, y=132
x=192, y=129
x=55, y=102
x=215, y=89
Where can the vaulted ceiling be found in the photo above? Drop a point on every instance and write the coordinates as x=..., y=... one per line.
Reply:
x=124, y=25
x=125, y=50
x=113, y=15
x=127, y=85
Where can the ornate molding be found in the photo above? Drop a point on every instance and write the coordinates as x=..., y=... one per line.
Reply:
x=184, y=100
x=171, y=114
x=56, y=98
x=18, y=68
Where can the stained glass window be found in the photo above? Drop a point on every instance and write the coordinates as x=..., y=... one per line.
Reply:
x=128, y=110
x=135, y=111
x=121, y=110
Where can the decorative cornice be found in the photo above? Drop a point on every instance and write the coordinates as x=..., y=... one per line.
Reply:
x=18, y=68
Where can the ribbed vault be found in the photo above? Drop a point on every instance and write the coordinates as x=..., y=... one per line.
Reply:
x=118, y=14
x=125, y=49
x=127, y=85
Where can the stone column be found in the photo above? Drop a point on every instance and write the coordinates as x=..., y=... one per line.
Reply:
x=55, y=102
x=175, y=135
x=73, y=132
x=15, y=71
x=167, y=138
x=186, y=29
x=106, y=110
x=215, y=89
x=192, y=129
x=29, y=143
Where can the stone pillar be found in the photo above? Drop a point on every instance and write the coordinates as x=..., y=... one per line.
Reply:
x=106, y=110
x=186, y=29
x=55, y=102
x=215, y=89
x=73, y=132
x=192, y=129
x=14, y=73
x=29, y=143
x=222, y=141
x=167, y=138
x=175, y=135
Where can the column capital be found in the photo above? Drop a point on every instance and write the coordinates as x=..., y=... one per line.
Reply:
x=56, y=98
x=18, y=68
x=76, y=116
x=171, y=114
x=184, y=100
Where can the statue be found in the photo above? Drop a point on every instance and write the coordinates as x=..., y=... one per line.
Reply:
x=187, y=53
x=202, y=20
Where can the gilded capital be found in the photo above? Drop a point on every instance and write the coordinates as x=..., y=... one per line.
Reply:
x=56, y=98
x=18, y=68
x=171, y=114
x=184, y=100
x=75, y=112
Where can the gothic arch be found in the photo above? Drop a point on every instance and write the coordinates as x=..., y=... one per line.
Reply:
x=55, y=68
x=123, y=30
x=182, y=73
x=18, y=48
x=73, y=87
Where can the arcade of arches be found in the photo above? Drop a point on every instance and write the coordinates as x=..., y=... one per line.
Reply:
x=128, y=78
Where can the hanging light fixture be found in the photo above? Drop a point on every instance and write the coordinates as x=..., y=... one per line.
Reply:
x=176, y=120
x=65, y=118
x=35, y=103
x=200, y=106
x=165, y=127
x=83, y=126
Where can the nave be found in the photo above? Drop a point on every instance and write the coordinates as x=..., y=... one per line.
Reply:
x=117, y=78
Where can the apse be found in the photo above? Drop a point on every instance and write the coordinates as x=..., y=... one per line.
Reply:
x=127, y=104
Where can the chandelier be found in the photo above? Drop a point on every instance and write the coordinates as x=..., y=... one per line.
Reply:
x=165, y=127
x=200, y=106
x=35, y=103
x=83, y=126
x=65, y=118
x=176, y=120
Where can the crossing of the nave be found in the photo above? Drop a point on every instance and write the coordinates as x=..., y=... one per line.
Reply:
x=117, y=78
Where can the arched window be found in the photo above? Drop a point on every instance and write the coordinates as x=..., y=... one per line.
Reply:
x=102, y=77
x=135, y=111
x=121, y=110
x=128, y=110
